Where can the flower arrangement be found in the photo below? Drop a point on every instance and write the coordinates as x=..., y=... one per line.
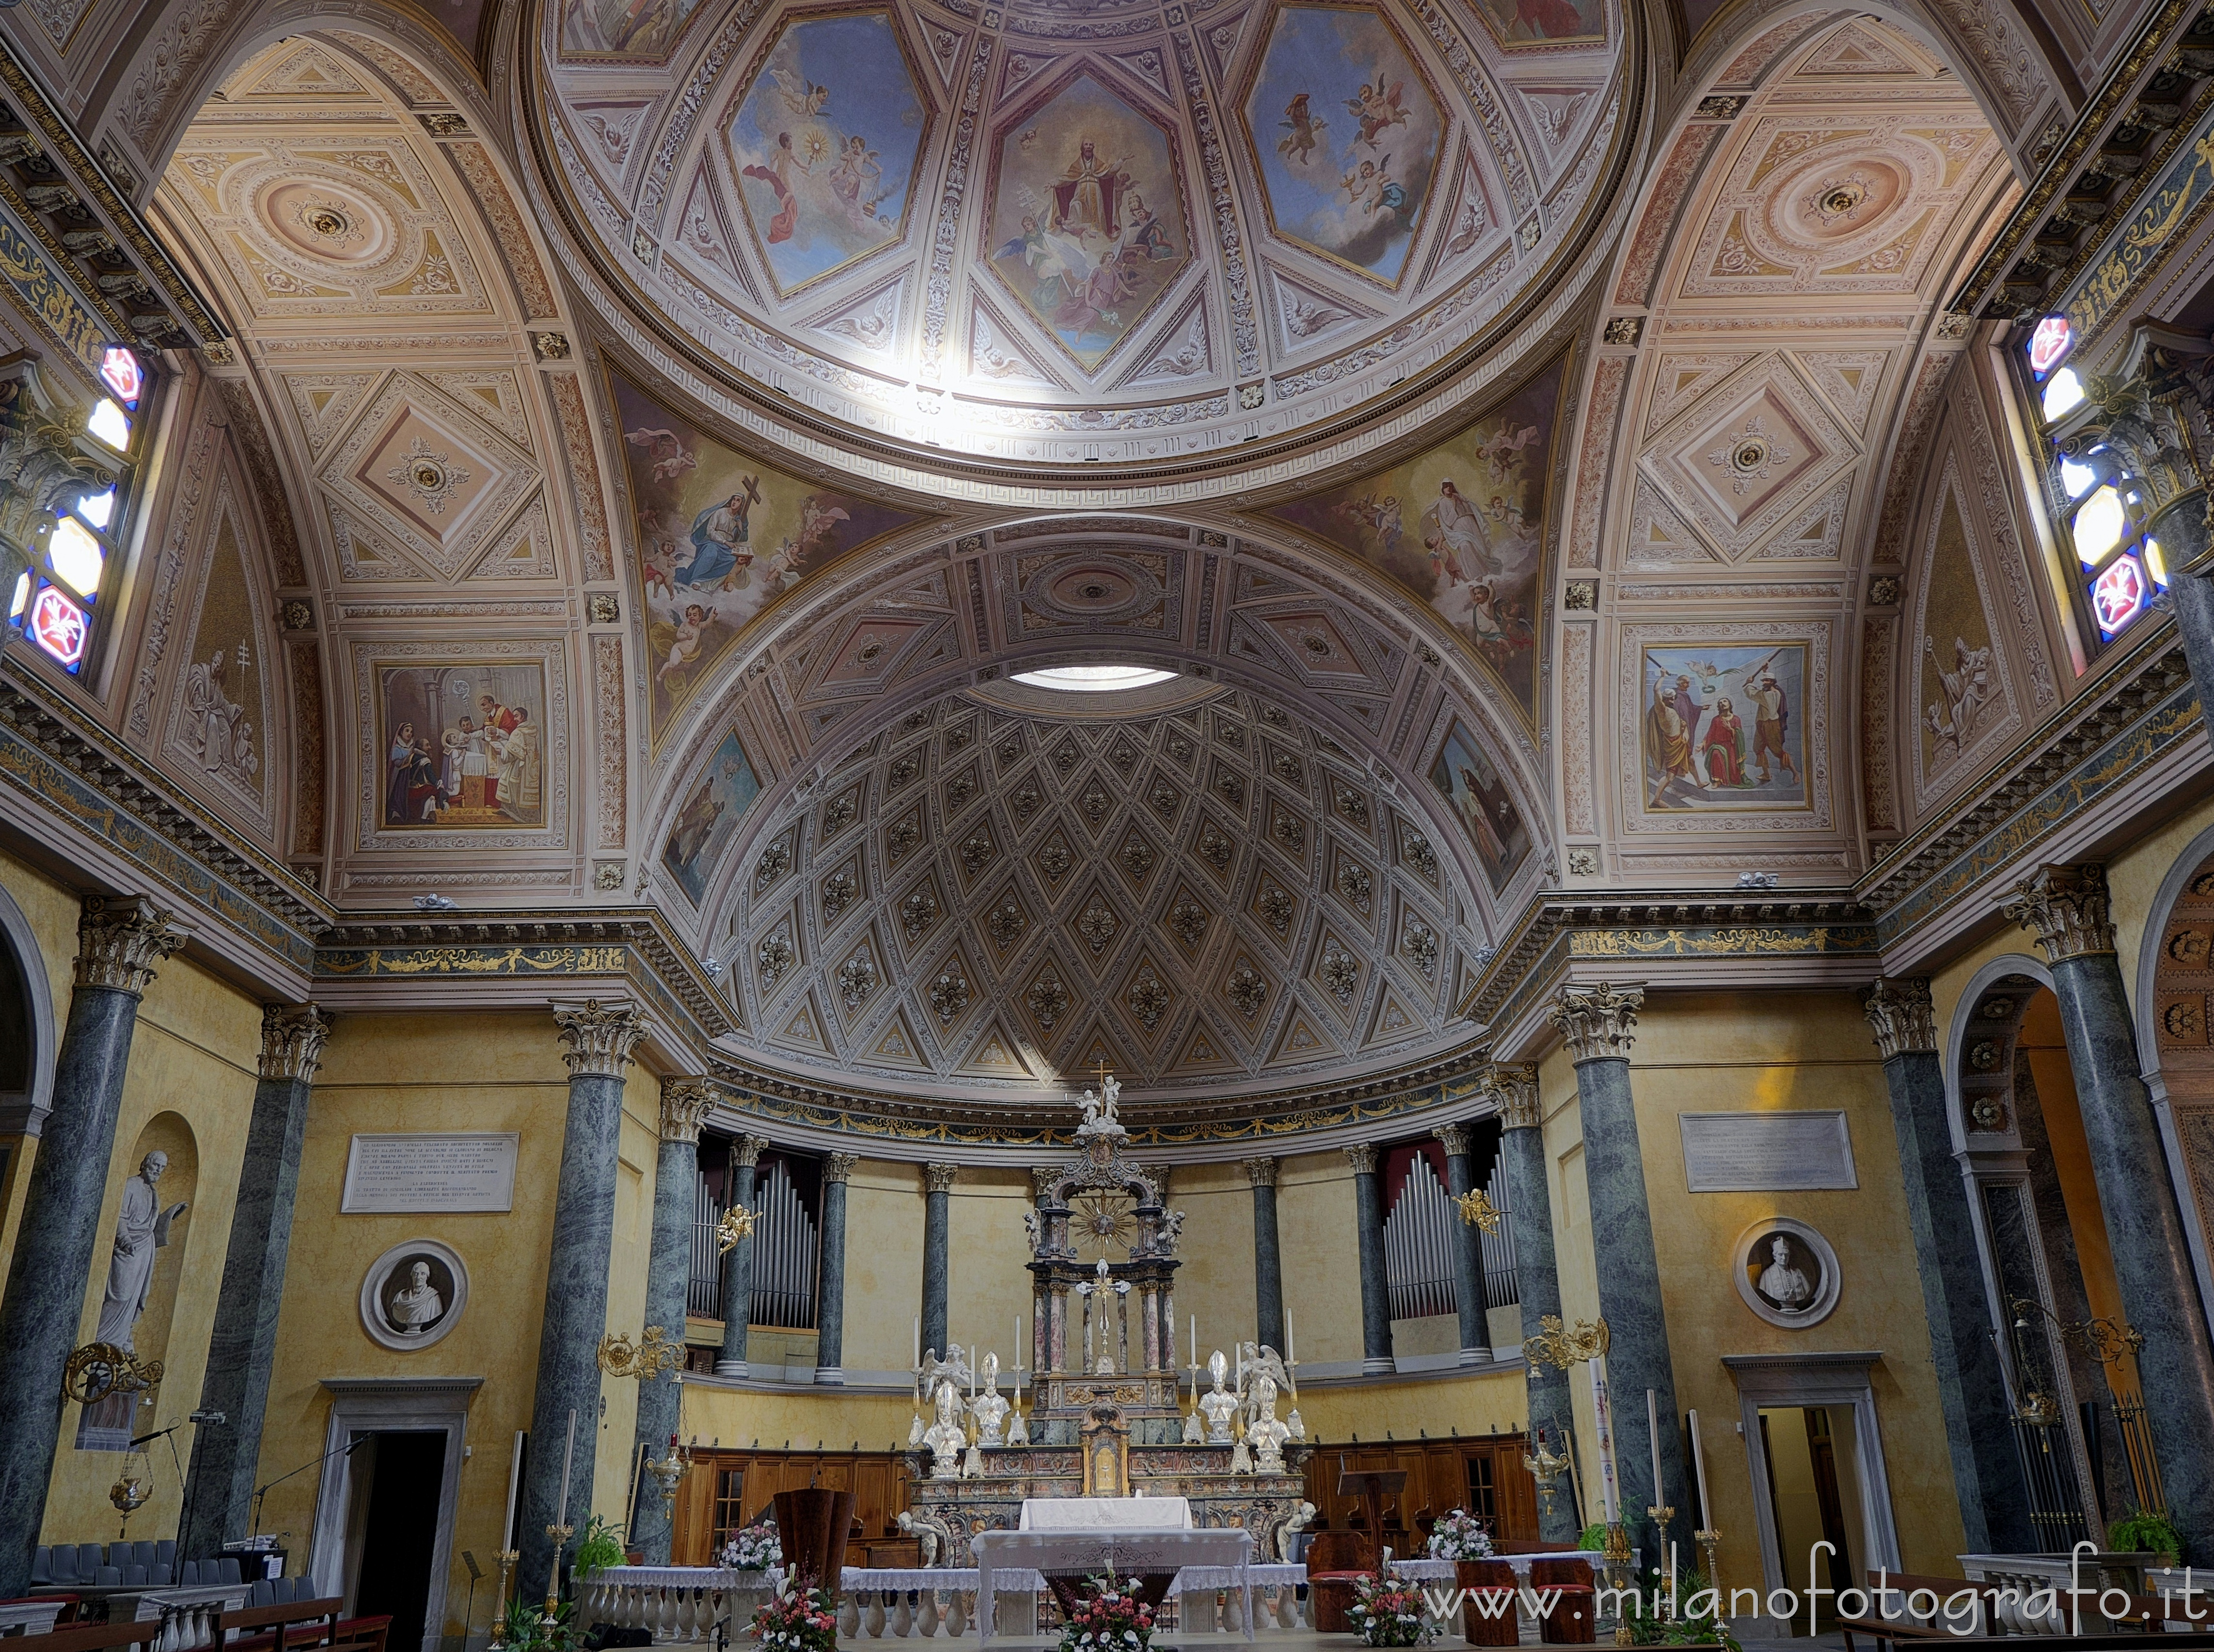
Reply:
x=799, y=1620
x=753, y=1548
x=1113, y=1617
x=1460, y=1536
x=1388, y=1613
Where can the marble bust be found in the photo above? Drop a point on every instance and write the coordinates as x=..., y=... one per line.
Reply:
x=1267, y=1431
x=946, y=1438
x=1782, y=1282
x=990, y=1408
x=1219, y=1405
x=417, y=1306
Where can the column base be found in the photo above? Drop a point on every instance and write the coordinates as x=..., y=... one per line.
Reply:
x=1476, y=1357
x=1384, y=1367
x=730, y=1368
x=830, y=1376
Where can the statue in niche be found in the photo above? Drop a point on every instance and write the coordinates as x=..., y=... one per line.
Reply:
x=1783, y=1282
x=1266, y=1432
x=142, y=1227
x=946, y=1438
x=1220, y=1406
x=991, y=1408
x=416, y=1307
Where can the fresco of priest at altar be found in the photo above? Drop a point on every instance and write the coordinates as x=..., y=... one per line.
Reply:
x=464, y=745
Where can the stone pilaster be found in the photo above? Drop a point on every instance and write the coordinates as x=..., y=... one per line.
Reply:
x=684, y=1105
x=1971, y=1387
x=1538, y=1281
x=242, y=1347
x=1596, y=1022
x=738, y=1264
x=1268, y=1255
x=937, y=1224
x=597, y=1042
x=119, y=943
x=1375, y=1282
x=2067, y=908
x=830, y=1280
x=1468, y=1251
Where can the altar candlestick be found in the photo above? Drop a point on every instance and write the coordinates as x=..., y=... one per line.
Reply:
x=1699, y=1466
x=568, y=1454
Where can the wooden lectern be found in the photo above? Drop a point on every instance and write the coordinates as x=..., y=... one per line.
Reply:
x=1370, y=1485
x=812, y=1527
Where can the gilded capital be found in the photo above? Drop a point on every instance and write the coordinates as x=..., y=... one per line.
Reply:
x=2067, y=909
x=597, y=1038
x=1362, y=1155
x=120, y=940
x=1595, y=1020
x=684, y=1105
x=292, y=1040
x=1043, y=1177
x=1901, y=1013
x=837, y=1166
x=746, y=1150
x=938, y=1178
x=1457, y=1138
x=1514, y=1090
x=1261, y=1173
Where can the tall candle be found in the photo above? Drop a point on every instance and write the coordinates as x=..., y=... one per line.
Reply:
x=1195, y=1354
x=917, y=1361
x=1610, y=1498
x=1699, y=1467
x=1653, y=1437
x=568, y=1455
x=514, y=1484
x=1291, y=1340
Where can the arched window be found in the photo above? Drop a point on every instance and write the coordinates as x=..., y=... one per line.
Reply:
x=2099, y=505
x=62, y=601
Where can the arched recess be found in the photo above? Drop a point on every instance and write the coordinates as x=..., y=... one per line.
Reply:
x=27, y=1039
x=2048, y=1270
x=2174, y=999
x=108, y=1424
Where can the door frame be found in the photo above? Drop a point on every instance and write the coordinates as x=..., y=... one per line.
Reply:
x=380, y=1405
x=1767, y=1381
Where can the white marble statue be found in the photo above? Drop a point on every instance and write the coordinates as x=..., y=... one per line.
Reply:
x=1219, y=1405
x=415, y=1307
x=1194, y=1434
x=990, y=1408
x=1266, y=1431
x=1099, y=1108
x=1288, y=1533
x=142, y=1227
x=1241, y=1461
x=1018, y=1432
x=933, y=1537
x=1780, y=1282
x=946, y=1438
x=1254, y=1361
x=1295, y=1423
x=952, y=1372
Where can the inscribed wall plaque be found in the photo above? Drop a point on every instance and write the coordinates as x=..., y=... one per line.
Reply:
x=387, y=1174
x=1766, y=1152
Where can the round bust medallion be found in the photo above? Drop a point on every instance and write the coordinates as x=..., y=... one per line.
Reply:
x=1787, y=1273
x=413, y=1294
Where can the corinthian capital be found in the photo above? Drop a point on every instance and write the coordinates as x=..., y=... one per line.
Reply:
x=1362, y=1155
x=1261, y=1173
x=938, y=1178
x=597, y=1038
x=1458, y=1138
x=1901, y=1014
x=1595, y=1020
x=2067, y=909
x=746, y=1150
x=1513, y=1090
x=120, y=941
x=292, y=1040
x=684, y=1105
x=837, y=1166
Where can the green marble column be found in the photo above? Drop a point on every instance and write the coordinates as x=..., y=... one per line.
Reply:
x=937, y=1221
x=1268, y=1259
x=738, y=1264
x=684, y=1104
x=830, y=1279
x=1376, y=1357
x=1468, y=1254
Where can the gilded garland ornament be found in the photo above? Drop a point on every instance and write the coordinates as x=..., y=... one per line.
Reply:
x=645, y=1359
x=98, y=1369
x=1556, y=1345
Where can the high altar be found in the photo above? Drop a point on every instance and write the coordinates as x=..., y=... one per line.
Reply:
x=1107, y=1420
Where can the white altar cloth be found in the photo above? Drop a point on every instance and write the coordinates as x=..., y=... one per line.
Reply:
x=1106, y=1514
x=1091, y=1552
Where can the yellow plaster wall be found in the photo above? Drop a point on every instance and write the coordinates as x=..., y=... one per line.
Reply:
x=833, y=1419
x=988, y=1285
x=883, y=1267
x=475, y=1071
x=1216, y=1279
x=194, y=1057
x=1490, y=1401
x=1315, y=1231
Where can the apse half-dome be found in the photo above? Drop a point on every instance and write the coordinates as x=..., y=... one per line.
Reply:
x=1041, y=232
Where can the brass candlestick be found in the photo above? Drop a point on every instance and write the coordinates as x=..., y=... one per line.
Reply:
x=1707, y=1541
x=507, y=1557
x=560, y=1534
x=1617, y=1571
x=1661, y=1517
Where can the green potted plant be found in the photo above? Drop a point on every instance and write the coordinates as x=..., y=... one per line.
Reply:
x=599, y=1548
x=2143, y=1532
x=1687, y=1628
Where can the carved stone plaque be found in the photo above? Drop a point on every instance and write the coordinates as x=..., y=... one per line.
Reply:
x=1766, y=1152
x=463, y=1171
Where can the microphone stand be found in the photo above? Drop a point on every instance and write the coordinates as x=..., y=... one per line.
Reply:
x=346, y=1450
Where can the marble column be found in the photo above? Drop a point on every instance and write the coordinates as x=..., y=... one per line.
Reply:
x=242, y=1347
x=1970, y=1386
x=684, y=1104
x=738, y=1264
x=1468, y=1254
x=1538, y=1281
x=830, y=1278
x=1595, y=1021
x=937, y=1221
x=119, y=943
x=597, y=1042
x=2068, y=910
x=1268, y=1257
x=1375, y=1283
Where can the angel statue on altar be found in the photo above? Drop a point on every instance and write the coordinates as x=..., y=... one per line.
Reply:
x=952, y=1372
x=1099, y=1117
x=1256, y=1363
